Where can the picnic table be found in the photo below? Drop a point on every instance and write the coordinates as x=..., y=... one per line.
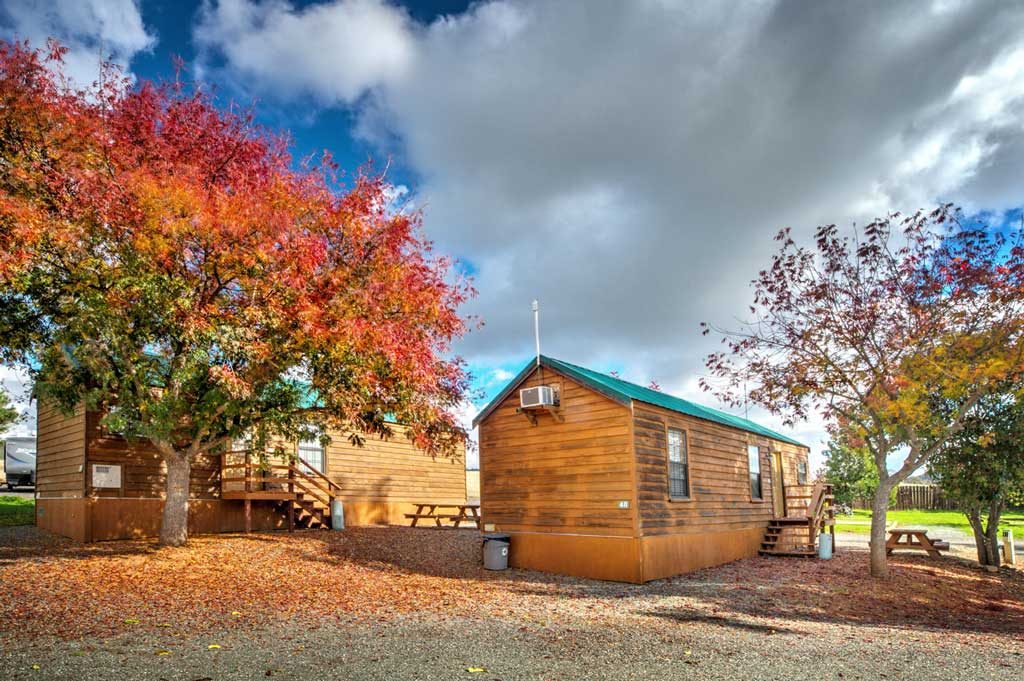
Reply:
x=457, y=513
x=915, y=540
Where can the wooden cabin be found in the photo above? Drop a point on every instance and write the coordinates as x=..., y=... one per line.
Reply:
x=612, y=480
x=93, y=485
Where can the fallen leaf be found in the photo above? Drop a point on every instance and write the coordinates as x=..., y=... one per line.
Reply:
x=213, y=646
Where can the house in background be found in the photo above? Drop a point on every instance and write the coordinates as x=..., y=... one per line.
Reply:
x=597, y=477
x=93, y=485
x=473, y=485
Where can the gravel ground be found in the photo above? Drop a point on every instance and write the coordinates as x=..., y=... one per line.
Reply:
x=402, y=603
x=425, y=649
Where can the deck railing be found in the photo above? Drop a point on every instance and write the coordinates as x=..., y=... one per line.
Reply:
x=816, y=503
x=244, y=477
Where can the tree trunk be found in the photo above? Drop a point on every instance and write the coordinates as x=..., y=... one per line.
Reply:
x=174, y=528
x=879, y=511
x=980, y=540
x=995, y=511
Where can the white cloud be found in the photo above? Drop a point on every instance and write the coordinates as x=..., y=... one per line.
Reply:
x=332, y=51
x=628, y=163
x=93, y=30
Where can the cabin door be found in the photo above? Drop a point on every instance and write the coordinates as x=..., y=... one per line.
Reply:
x=778, y=486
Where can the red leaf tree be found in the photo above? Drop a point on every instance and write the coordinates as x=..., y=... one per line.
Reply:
x=894, y=334
x=162, y=260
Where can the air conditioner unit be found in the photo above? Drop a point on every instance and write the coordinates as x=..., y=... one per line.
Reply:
x=541, y=396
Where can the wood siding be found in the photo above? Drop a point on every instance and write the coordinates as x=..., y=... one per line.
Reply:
x=394, y=471
x=473, y=485
x=60, y=452
x=143, y=472
x=720, y=497
x=558, y=477
x=390, y=470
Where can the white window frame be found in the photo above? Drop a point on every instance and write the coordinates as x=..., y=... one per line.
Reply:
x=308, y=445
x=754, y=456
x=682, y=458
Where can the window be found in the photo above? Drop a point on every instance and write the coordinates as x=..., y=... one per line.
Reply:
x=678, y=465
x=754, y=462
x=311, y=453
x=801, y=472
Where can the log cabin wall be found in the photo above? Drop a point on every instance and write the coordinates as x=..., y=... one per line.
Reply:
x=60, y=471
x=558, y=486
x=134, y=510
x=60, y=453
x=384, y=479
x=719, y=521
x=381, y=481
x=143, y=472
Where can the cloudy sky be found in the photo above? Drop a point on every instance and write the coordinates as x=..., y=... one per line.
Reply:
x=627, y=163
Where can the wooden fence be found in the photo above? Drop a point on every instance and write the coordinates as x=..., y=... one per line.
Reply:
x=919, y=497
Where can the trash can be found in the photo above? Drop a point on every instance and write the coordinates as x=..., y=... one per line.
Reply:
x=825, y=546
x=337, y=515
x=496, y=551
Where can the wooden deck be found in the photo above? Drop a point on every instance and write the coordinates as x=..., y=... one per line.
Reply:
x=307, y=492
x=810, y=510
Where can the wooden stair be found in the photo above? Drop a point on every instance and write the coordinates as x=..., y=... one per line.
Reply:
x=310, y=513
x=796, y=535
x=306, y=492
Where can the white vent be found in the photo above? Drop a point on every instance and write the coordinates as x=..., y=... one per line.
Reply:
x=106, y=476
x=541, y=396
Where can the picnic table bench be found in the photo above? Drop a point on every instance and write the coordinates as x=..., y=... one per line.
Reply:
x=456, y=513
x=915, y=540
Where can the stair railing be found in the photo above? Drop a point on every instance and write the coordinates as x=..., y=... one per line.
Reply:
x=824, y=513
x=814, y=502
x=295, y=477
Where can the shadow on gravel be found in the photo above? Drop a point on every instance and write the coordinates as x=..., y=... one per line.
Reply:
x=947, y=594
x=690, y=617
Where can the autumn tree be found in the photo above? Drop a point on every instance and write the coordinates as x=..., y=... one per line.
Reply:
x=164, y=261
x=982, y=467
x=870, y=329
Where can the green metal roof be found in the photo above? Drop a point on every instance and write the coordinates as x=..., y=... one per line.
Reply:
x=624, y=391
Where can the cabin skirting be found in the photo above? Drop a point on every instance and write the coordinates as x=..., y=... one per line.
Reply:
x=106, y=519
x=597, y=557
x=111, y=518
x=674, y=554
x=631, y=559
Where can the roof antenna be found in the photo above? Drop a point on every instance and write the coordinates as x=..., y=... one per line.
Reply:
x=746, y=406
x=536, y=327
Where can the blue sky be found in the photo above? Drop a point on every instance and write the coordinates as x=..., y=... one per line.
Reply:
x=312, y=128
x=627, y=163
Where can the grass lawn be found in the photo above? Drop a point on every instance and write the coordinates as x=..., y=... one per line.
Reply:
x=860, y=521
x=17, y=511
